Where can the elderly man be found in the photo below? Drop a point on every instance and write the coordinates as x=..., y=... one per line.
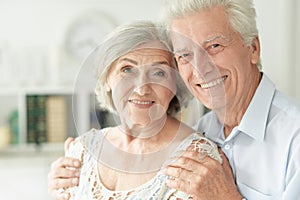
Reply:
x=217, y=49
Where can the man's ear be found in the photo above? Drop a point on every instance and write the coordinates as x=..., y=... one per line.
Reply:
x=255, y=51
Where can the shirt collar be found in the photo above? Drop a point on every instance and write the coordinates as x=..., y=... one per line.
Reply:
x=255, y=118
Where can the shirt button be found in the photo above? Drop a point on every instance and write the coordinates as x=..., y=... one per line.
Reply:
x=227, y=147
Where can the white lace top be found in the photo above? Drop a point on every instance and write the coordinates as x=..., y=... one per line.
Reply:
x=90, y=187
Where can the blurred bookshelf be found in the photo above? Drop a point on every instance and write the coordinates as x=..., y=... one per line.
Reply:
x=40, y=119
x=34, y=119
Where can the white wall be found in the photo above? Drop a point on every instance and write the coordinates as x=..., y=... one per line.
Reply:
x=297, y=76
x=39, y=25
x=31, y=29
x=278, y=23
x=39, y=22
x=32, y=33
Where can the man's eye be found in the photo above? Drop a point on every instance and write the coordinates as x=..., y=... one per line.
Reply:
x=215, y=48
x=185, y=55
x=183, y=58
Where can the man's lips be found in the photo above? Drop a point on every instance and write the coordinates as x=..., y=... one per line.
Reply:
x=213, y=83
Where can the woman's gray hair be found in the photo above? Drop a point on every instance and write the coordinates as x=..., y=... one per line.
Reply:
x=242, y=14
x=121, y=41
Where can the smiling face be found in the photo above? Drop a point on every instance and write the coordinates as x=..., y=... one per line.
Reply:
x=142, y=84
x=216, y=65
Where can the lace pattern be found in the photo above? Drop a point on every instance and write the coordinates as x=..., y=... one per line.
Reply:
x=91, y=188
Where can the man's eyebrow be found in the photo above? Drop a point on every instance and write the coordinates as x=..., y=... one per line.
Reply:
x=179, y=50
x=214, y=38
x=210, y=39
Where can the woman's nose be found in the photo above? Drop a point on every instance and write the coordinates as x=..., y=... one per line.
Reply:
x=142, y=89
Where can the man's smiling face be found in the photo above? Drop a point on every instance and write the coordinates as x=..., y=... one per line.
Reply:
x=212, y=58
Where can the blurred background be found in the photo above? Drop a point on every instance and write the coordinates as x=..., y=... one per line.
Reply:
x=42, y=45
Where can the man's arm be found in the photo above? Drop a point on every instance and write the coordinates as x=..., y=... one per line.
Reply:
x=64, y=173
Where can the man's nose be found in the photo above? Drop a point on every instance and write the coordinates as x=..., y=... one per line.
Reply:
x=202, y=63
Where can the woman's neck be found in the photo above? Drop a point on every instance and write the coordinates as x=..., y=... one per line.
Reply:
x=144, y=131
x=146, y=139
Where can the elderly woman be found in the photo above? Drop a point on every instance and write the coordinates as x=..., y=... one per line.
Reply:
x=137, y=80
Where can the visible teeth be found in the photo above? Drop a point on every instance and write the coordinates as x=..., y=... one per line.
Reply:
x=141, y=102
x=213, y=83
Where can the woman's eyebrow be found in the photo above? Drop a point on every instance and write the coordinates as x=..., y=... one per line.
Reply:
x=160, y=63
x=128, y=60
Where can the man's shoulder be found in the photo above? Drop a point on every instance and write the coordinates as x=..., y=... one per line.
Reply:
x=206, y=120
x=285, y=105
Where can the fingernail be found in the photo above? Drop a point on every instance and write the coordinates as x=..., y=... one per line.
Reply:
x=77, y=174
x=202, y=155
x=65, y=196
x=75, y=181
x=76, y=163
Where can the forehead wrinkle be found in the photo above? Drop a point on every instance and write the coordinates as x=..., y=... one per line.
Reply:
x=210, y=39
x=128, y=60
x=160, y=63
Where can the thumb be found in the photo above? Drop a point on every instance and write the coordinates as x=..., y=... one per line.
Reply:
x=225, y=164
x=67, y=143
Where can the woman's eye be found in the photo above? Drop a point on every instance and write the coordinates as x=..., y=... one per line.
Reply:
x=126, y=69
x=160, y=73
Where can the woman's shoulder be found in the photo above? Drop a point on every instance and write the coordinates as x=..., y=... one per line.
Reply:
x=198, y=142
x=92, y=135
x=85, y=141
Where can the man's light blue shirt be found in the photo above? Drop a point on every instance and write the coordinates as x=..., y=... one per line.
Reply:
x=264, y=149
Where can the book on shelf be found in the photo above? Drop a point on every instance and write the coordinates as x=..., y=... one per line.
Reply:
x=56, y=118
x=46, y=118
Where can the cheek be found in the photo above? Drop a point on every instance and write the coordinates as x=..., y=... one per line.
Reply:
x=120, y=92
x=184, y=73
x=164, y=96
x=168, y=96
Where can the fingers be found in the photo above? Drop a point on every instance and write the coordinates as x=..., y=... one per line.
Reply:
x=63, y=162
x=179, y=185
x=226, y=166
x=56, y=194
x=64, y=168
x=64, y=173
x=57, y=183
x=191, y=171
x=191, y=161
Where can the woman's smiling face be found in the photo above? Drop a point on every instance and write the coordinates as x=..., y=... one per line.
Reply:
x=142, y=83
